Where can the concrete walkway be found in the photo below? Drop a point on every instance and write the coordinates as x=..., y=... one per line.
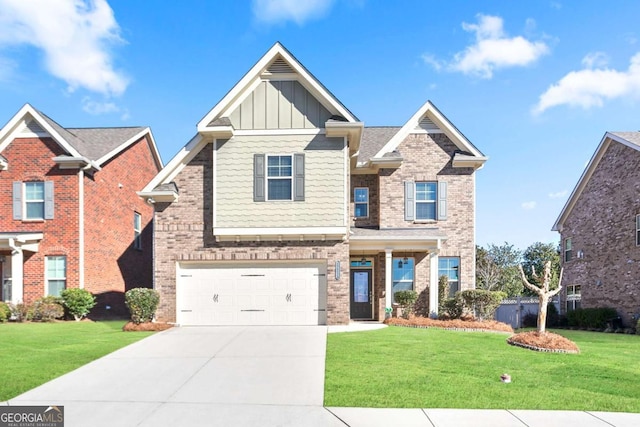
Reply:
x=247, y=376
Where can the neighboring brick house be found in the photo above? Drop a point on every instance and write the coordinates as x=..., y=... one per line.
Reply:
x=72, y=218
x=285, y=209
x=600, y=230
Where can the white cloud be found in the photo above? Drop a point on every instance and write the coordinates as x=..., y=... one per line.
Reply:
x=595, y=60
x=298, y=11
x=558, y=194
x=590, y=87
x=493, y=49
x=527, y=206
x=96, y=108
x=75, y=37
x=433, y=61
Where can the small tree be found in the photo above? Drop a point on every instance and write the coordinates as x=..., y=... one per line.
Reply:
x=443, y=292
x=142, y=303
x=78, y=301
x=483, y=304
x=542, y=289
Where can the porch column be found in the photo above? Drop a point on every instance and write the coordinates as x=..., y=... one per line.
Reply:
x=433, y=284
x=388, y=280
x=17, y=275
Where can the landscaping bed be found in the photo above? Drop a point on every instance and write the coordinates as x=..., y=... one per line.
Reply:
x=547, y=342
x=146, y=327
x=454, y=324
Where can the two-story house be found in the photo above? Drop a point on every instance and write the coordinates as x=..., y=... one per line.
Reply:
x=72, y=218
x=599, y=228
x=285, y=209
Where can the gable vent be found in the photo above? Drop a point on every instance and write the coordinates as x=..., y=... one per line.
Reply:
x=427, y=124
x=279, y=66
x=32, y=127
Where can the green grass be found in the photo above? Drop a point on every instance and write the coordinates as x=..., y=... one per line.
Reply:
x=428, y=368
x=34, y=353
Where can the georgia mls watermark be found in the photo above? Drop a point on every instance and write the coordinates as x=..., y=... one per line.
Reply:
x=31, y=416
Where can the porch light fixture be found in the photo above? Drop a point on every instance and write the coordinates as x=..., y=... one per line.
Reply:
x=363, y=261
x=400, y=264
x=405, y=260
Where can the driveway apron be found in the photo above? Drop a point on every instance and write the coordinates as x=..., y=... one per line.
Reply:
x=199, y=376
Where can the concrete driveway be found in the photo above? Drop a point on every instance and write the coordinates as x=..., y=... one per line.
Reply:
x=199, y=376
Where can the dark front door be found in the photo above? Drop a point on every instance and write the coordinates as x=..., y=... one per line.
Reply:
x=361, y=298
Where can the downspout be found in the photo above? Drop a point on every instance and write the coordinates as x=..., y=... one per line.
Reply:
x=81, y=226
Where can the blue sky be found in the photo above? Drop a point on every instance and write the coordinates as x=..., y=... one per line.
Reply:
x=534, y=85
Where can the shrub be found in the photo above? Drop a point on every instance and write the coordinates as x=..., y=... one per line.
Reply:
x=406, y=300
x=638, y=327
x=482, y=303
x=594, y=318
x=452, y=308
x=46, y=309
x=553, y=317
x=530, y=320
x=78, y=301
x=19, y=311
x=142, y=303
x=5, y=312
x=443, y=292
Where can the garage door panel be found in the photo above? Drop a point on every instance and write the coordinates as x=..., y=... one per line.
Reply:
x=265, y=294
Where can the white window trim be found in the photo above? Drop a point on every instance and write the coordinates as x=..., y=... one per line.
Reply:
x=267, y=177
x=46, y=272
x=637, y=230
x=137, y=231
x=416, y=201
x=572, y=298
x=25, y=201
x=360, y=203
x=394, y=262
x=449, y=281
x=568, y=243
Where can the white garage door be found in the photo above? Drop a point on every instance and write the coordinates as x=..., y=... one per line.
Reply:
x=262, y=294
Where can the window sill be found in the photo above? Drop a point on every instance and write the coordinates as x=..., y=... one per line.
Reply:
x=33, y=220
x=425, y=221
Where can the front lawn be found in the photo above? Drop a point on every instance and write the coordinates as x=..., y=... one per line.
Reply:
x=429, y=368
x=34, y=353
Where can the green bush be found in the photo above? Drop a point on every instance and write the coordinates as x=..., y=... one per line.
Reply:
x=452, y=308
x=596, y=318
x=46, y=309
x=78, y=302
x=443, y=292
x=482, y=303
x=553, y=317
x=406, y=300
x=19, y=311
x=5, y=312
x=142, y=304
x=638, y=327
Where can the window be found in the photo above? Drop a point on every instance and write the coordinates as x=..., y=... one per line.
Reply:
x=56, y=271
x=637, y=230
x=137, y=230
x=450, y=267
x=573, y=297
x=567, y=250
x=279, y=177
x=361, y=200
x=402, y=275
x=426, y=200
x=32, y=200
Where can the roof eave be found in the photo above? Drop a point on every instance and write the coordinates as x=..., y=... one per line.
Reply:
x=463, y=161
x=223, y=132
x=79, y=162
x=152, y=197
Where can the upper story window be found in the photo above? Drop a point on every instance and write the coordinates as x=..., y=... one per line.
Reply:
x=403, y=274
x=56, y=272
x=450, y=267
x=637, y=230
x=568, y=252
x=425, y=201
x=33, y=200
x=278, y=177
x=361, y=202
x=137, y=230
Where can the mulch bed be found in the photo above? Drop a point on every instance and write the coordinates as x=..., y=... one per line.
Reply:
x=454, y=324
x=147, y=326
x=547, y=342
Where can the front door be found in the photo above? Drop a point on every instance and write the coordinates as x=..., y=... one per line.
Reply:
x=361, y=298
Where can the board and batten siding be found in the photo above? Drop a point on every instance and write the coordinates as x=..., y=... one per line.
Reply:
x=279, y=105
x=325, y=182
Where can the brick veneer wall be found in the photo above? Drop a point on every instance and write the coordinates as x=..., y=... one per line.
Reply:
x=30, y=160
x=184, y=232
x=371, y=182
x=602, y=225
x=112, y=264
x=427, y=157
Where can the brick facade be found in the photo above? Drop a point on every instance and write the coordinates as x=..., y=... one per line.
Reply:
x=602, y=225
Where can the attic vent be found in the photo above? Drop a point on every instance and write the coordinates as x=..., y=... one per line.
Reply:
x=279, y=66
x=32, y=127
x=427, y=124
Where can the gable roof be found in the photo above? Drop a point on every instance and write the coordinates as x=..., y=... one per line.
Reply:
x=629, y=139
x=373, y=139
x=278, y=61
x=97, y=145
x=428, y=113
